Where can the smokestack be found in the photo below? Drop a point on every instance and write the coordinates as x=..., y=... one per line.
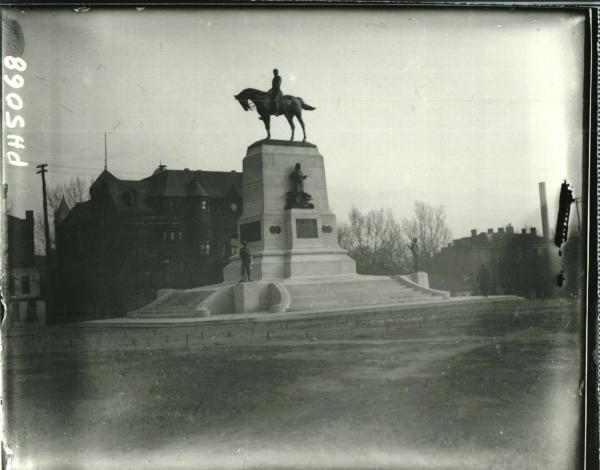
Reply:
x=544, y=210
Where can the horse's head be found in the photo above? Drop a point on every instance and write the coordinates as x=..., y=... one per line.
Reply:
x=242, y=99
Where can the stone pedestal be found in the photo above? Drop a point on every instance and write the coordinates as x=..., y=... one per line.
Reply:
x=297, y=264
x=287, y=243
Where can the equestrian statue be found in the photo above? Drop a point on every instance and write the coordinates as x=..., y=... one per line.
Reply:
x=274, y=103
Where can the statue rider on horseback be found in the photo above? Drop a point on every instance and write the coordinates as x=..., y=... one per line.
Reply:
x=273, y=103
x=277, y=103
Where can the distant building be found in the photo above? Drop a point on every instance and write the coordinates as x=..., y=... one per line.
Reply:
x=515, y=263
x=24, y=280
x=173, y=229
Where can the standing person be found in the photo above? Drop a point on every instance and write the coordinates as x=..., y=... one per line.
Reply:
x=414, y=250
x=246, y=258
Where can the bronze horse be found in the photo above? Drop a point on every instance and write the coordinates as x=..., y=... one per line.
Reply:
x=262, y=102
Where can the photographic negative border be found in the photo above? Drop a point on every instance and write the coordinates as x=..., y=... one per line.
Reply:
x=591, y=143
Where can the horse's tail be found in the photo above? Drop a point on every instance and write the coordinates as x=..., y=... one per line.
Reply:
x=305, y=106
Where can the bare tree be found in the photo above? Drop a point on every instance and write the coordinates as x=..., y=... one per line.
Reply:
x=73, y=191
x=428, y=227
x=374, y=241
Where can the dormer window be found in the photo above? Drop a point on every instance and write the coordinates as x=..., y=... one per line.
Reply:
x=130, y=197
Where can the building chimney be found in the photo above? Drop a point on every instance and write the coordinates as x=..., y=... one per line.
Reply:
x=544, y=210
x=474, y=232
x=523, y=231
x=490, y=230
x=510, y=229
x=500, y=229
x=533, y=231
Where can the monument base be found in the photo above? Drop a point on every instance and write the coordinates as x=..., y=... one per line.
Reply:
x=295, y=294
x=279, y=265
x=297, y=263
x=286, y=243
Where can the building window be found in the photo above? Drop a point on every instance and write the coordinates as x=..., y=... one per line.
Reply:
x=165, y=236
x=11, y=285
x=131, y=197
x=233, y=250
x=172, y=235
x=171, y=205
x=25, y=285
x=180, y=235
x=205, y=247
x=204, y=204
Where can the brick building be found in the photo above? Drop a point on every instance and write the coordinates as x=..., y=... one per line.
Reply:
x=173, y=229
x=24, y=280
x=518, y=263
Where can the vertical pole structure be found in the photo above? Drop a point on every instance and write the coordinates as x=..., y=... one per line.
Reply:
x=42, y=171
x=105, y=154
x=544, y=211
x=577, y=200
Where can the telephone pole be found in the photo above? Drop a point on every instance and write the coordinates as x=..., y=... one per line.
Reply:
x=42, y=171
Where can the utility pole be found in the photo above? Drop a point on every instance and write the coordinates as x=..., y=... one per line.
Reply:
x=42, y=171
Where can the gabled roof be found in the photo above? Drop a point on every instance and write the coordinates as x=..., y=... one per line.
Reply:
x=135, y=196
x=179, y=183
x=105, y=176
x=80, y=212
x=61, y=211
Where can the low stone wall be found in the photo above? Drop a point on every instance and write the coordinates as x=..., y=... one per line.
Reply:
x=420, y=321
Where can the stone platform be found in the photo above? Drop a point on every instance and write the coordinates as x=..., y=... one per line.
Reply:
x=297, y=264
x=308, y=294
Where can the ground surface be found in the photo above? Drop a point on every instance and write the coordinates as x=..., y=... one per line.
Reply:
x=475, y=389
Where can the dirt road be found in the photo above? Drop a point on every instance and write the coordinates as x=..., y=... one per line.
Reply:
x=490, y=394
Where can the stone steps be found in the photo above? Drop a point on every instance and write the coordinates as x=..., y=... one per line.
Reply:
x=176, y=304
x=379, y=291
x=185, y=299
x=305, y=295
x=358, y=297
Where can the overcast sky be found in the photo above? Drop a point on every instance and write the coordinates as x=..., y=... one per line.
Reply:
x=468, y=109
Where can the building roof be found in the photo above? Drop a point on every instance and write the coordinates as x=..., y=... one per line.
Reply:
x=181, y=183
x=137, y=196
x=20, y=243
x=80, y=212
